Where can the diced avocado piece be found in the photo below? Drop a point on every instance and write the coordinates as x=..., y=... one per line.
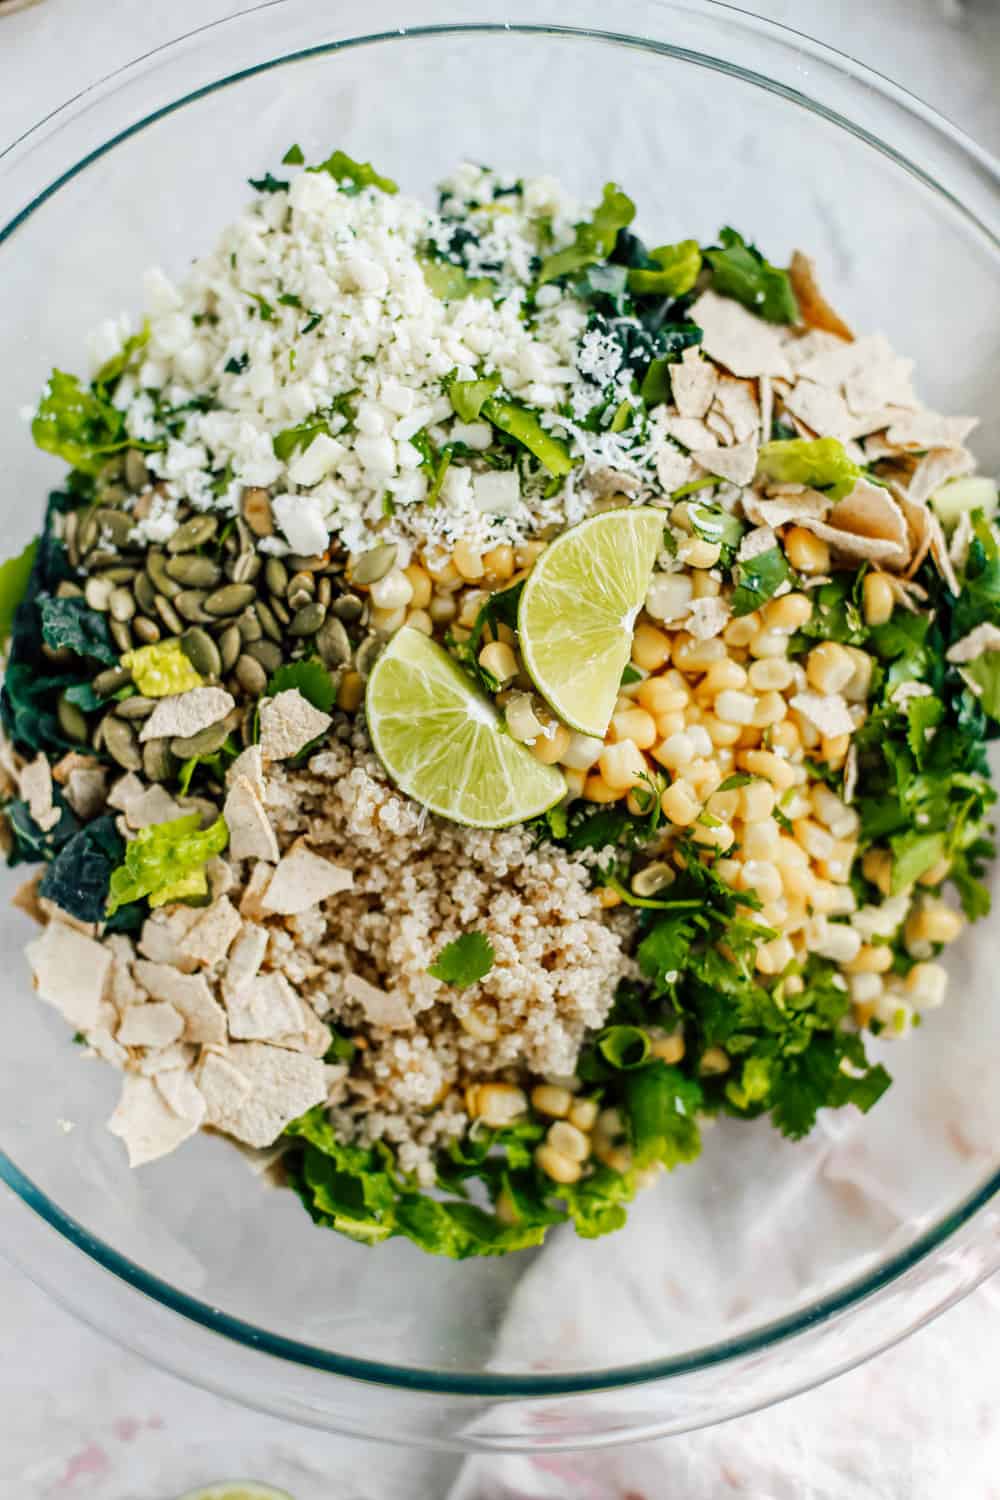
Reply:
x=975, y=492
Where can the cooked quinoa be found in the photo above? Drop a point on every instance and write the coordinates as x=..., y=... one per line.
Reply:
x=338, y=451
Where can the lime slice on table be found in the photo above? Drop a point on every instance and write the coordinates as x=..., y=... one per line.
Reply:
x=577, y=610
x=443, y=743
x=237, y=1489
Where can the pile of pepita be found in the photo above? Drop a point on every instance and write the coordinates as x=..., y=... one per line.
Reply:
x=238, y=614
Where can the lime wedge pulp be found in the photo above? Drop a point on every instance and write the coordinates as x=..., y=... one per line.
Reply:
x=578, y=608
x=443, y=743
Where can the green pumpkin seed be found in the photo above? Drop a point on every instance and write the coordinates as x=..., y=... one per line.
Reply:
x=146, y=630
x=193, y=572
x=230, y=646
x=230, y=599
x=136, y=473
x=367, y=654
x=301, y=587
x=205, y=742
x=72, y=721
x=276, y=576
x=267, y=653
x=157, y=762
x=111, y=681
x=324, y=590
x=202, y=652
x=156, y=567
x=333, y=643
x=249, y=625
x=121, y=635
x=300, y=563
x=145, y=592
x=280, y=611
x=121, y=573
x=122, y=605
x=70, y=533
x=194, y=533
x=251, y=676
x=135, y=708
x=88, y=532
x=114, y=524
x=375, y=564
x=191, y=604
x=269, y=624
x=169, y=615
x=248, y=724
x=308, y=620
x=245, y=568
x=67, y=590
x=256, y=507
x=97, y=592
x=120, y=742
x=348, y=607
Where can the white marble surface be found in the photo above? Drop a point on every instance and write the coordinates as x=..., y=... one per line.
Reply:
x=80, y=1418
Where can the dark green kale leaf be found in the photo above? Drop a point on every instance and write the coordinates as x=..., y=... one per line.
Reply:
x=71, y=623
x=79, y=877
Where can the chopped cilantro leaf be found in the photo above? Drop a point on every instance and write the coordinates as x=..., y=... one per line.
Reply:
x=465, y=961
x=268, y=184
x=311, y=679
x=357, y=174
x=758, y=579
x=293, y=157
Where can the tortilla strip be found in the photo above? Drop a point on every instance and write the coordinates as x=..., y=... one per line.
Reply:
x=815, y=309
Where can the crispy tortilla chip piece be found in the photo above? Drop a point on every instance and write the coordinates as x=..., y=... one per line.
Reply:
x=155, y=805
x=288, y=723
x=276, y=1087
x=870, y=511
x=148, y=1124
x=690, y=432
x=935, y=468
x=815, y=309
x=36, y=789
x=738, y=464
x=799, y=508
x=155, y=1024
x=264, y=1009
x=673, y=468
x=70, y=971
x=736, y=400
x=250, y=764
x=821, y=408
x=939, y=552
x=186, y=714
x=826, y=711
x=733, y=337
x=204, y=1018
x=983, y=638
x=883, y=382
x=381, y=1007
x=918, y=430
x=693, y=383
x=250, y=833
x=211, y=937
x=303, y=879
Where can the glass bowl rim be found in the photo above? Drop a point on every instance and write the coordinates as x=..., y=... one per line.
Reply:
x=852, y=1293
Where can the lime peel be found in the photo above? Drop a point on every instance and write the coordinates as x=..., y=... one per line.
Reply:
x=444, y=744
x=578, y=608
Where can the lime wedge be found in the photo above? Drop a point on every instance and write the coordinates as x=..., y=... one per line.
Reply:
x=577, y=610
x=237, y=1489
x=443, y=743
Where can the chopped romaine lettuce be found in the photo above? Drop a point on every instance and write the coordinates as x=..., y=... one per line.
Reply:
x=167, y=862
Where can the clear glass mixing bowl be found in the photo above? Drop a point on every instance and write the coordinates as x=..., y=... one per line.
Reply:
x=766, y=1267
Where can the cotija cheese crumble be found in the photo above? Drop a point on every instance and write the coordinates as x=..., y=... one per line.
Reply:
x=488, y=695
